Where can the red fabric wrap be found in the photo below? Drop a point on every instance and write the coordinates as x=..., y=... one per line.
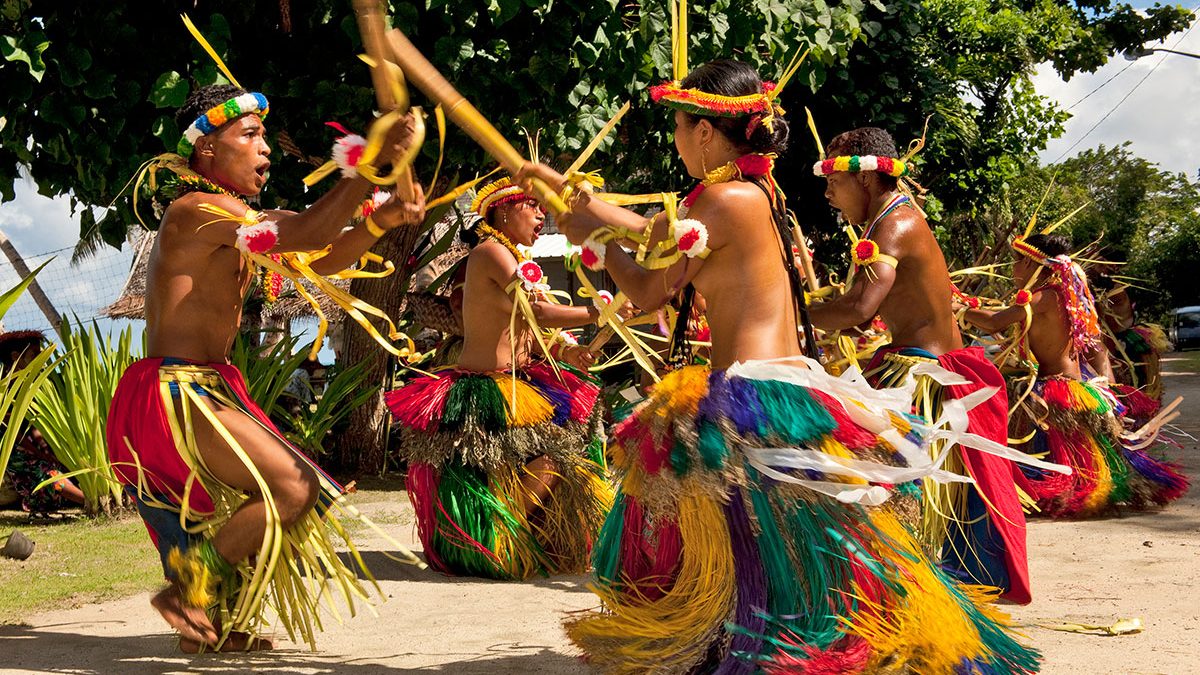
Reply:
x=138, y=415
x=996, y=478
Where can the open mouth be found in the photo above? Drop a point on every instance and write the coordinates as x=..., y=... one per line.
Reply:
x=263, y=170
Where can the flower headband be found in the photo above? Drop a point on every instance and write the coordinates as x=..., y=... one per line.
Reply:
x=212, y=120
x=855, y=163
x=494, y=194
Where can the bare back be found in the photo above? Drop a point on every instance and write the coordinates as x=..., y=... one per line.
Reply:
x=917, y=307
x=750, y=306
x=1049, y=336
x=194, y=288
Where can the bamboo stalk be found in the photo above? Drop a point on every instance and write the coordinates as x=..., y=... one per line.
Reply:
x=426, y=77
x=810, y=273
x=369, y=14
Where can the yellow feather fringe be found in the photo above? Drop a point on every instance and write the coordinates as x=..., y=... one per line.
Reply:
x=525, y=405
x=699, y=602
x=929, y=632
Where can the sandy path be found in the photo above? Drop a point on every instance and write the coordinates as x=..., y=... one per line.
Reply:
x=1136, y=565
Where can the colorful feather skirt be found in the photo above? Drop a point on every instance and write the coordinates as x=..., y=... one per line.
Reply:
x=752, y=532
x=1078, y=424
x=153, y=448
x=469, y=439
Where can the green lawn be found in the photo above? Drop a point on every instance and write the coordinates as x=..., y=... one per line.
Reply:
x=77, y=561
x=80, y=560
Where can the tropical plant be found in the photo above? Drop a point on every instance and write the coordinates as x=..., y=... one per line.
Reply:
x=268, y=368
x=18, y=386
x=346, y=390
x=71, y=410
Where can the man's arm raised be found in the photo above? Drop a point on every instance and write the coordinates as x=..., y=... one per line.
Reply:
x=351, y=244
x=310, y=230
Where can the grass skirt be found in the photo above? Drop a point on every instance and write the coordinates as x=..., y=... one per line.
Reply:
x=749, y=535
x=1076, y=423
x=154, y=452
x=467, y=438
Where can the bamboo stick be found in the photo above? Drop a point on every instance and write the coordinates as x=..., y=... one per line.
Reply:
x=369, y=14
x=810, y=273
x=426, y=77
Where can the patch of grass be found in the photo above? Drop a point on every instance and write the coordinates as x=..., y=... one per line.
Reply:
x=77, y=561
x=84, y=560
x=1187, y=362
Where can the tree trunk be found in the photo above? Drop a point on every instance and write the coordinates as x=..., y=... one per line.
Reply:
x=364, y=445
x=35, y=290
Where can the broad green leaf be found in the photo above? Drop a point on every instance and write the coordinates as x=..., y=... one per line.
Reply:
x=170, y=90
x=9, y=297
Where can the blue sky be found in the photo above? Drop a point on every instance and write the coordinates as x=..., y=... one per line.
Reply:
x=1160, y=116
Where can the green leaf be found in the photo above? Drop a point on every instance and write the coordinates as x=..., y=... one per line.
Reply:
x=453, y=50
x=170, y=90
x=12, y=50
x=11, y=295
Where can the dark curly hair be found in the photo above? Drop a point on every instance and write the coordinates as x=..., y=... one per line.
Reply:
x=727, y=77
x=865, y=141
x=204, y=99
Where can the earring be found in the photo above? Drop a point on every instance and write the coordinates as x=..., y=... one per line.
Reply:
x=704, y=160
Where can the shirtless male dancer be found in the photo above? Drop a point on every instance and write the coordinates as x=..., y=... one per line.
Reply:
x=901, y=275
x=197, y=278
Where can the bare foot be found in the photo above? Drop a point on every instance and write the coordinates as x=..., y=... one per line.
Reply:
x=236, y=642
x=191, y=622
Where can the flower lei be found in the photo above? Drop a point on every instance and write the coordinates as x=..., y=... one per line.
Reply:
x=251, y=238
x=1071, y=282
x=489, y=232
x=856, y=163
x=194, y=182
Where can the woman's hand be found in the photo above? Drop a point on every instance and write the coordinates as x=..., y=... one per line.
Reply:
x=578, y=356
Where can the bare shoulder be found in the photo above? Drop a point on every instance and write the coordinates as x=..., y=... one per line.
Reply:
x=185, y=215
x=725, y=206
x=491, y=258
x=902, y=231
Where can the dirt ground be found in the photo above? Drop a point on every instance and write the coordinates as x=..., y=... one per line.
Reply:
x=1144, y=565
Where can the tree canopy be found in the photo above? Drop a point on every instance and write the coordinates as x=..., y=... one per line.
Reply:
x=1140, y=214
x=88, y=90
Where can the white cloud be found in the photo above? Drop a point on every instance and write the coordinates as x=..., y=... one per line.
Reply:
x=1161, y=118
x=39, y=225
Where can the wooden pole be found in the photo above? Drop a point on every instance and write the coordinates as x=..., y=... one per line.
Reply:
x=425, y=77
x=35, y=289
x=810, y=273
x=369, y=14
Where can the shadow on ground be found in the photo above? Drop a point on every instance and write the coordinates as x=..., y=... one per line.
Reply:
x=39, y=650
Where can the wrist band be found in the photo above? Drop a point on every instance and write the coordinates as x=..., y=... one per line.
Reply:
x=375, y=230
